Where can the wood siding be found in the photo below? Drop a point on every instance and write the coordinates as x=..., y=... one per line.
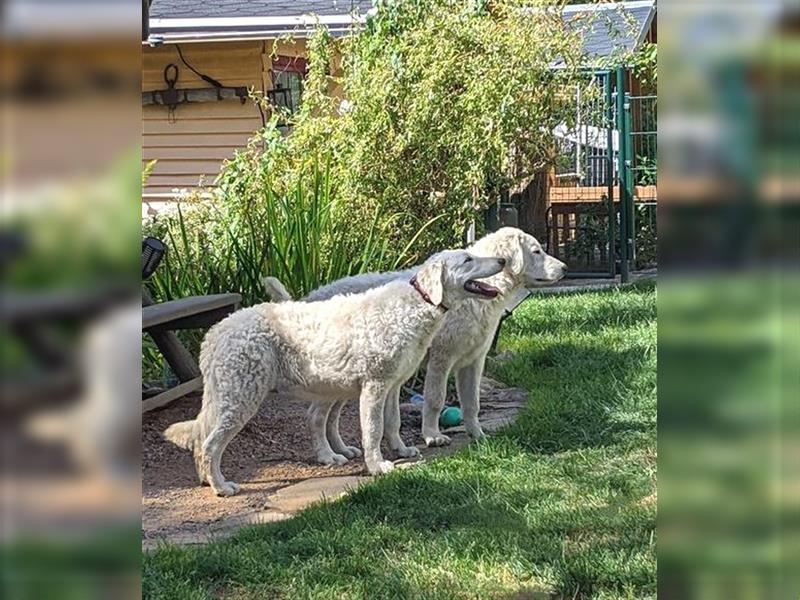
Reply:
x=190, y=146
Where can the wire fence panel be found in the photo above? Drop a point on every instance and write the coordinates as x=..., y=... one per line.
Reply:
x=584, y=225
x=581, y=219
x=644, y=161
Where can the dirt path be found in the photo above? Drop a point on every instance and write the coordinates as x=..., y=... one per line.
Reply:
x=273, y=460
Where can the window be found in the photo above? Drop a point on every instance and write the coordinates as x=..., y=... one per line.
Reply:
x=287, y=81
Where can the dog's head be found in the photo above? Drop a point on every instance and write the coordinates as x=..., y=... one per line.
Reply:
x=452, y=276
x=527, y=263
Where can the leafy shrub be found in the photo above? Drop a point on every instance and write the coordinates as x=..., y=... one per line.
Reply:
x=447, y=103
x=227, y=241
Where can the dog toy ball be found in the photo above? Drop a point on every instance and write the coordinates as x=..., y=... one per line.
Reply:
x=450, y=417
x=417, y=399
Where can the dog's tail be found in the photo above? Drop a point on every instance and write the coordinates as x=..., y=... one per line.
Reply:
x=276, y=290
x=183, y=434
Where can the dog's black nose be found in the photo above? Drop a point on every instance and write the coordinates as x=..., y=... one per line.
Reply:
x=502, y=262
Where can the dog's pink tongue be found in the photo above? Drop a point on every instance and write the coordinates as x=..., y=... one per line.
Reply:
x=487, y=289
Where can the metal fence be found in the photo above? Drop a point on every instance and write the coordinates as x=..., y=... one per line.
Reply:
x=581, y=216
x=602, y=215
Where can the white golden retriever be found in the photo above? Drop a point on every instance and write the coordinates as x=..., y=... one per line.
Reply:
x=460, y=345
x=363, y=344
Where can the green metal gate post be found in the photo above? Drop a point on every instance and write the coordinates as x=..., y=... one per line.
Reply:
x=609, y=98
x=630, y=163
x=623, y=171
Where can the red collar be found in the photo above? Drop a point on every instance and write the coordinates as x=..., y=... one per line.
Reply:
x=415, y=284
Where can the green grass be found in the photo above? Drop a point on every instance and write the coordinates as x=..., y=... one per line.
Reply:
x=561, y=504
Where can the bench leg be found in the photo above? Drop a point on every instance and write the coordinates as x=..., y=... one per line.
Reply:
x=179, y=358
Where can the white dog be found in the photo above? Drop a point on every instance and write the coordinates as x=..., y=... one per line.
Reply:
x=365, y=344
x=460, y=345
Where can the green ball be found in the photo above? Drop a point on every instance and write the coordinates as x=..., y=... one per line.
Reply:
x=450, y=417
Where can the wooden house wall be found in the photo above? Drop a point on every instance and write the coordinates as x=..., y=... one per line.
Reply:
x=190, y=146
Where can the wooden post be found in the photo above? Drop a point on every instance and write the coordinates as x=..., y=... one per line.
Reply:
x=178, y=357
x=533, y=201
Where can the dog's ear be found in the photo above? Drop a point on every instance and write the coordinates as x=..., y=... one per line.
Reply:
x=431, y=279
x=516, y=258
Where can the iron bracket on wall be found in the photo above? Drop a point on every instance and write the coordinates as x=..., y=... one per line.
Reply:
x=172, y=97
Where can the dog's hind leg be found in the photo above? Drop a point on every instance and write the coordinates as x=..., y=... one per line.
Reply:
x=434, y=392
x=317, y=419
x=391, y=426
x=332, y=432
x=373, y=396
x=229, y=419
x=213, y=447
x=199, y=466
x=468, y=380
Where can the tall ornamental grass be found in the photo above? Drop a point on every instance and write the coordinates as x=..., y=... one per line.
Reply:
x=228, y=242
x=223, y=244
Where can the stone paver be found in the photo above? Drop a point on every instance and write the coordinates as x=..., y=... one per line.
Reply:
x=297, y=496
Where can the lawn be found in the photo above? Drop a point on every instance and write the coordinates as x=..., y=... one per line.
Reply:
x=561, y=504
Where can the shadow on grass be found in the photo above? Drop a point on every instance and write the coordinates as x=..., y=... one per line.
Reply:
x=419, y=534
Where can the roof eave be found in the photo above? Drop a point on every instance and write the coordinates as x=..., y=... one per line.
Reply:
x=171, y=31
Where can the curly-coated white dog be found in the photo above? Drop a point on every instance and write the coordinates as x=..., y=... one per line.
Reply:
x=460, y=345
x=362, y=344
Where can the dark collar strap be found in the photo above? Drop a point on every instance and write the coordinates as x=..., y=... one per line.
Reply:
x=415, y=284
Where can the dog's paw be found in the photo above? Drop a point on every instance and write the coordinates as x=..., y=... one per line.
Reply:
x=382, y=467
x=228, y=488
x=437, y=440
x=332, y=459
x=407, y=451
x=350, y=452
x=476, y=435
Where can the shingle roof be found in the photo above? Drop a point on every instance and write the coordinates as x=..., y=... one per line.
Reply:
x=199, y=9
x=606, y=28
x=610, y=28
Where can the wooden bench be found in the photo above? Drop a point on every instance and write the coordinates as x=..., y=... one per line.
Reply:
x=160, y=321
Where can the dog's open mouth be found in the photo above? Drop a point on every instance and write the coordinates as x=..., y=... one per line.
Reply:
x=481, y=289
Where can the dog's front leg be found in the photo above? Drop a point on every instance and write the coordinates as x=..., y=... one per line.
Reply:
x=334, y=437
x=391, y=426
x=317, y=420
x=434, y=392
x=468, y=380
x=373, y=397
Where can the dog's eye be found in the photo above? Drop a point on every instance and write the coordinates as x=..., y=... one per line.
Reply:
x=537, y=251
x=468, y=259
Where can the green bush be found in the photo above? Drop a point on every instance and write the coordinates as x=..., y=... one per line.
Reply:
x=447, y=103
x=226, y=241
x=451, y=102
